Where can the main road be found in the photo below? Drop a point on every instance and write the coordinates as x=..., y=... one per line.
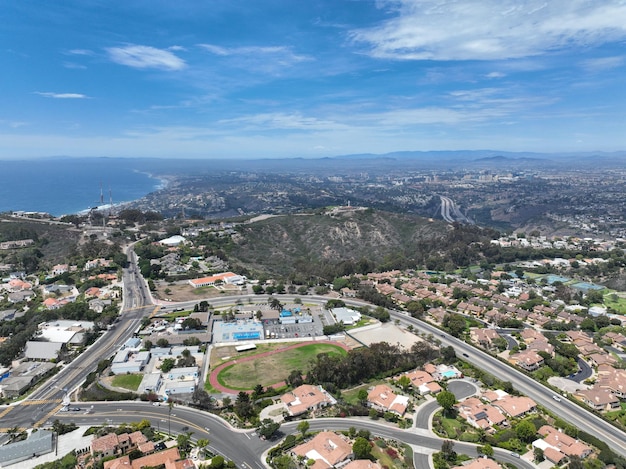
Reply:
x=571, y=412
x=48, y=398
x=245, y=448
x=137, y=303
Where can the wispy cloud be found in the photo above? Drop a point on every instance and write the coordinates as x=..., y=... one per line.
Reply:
x=74, y=65
x=80, y=52
x=13, y=124
x=143, y=57
x=281, y=53
x=285, y=121
x=490, y=29
x=49, y=94
x=495, y=75
x=603, y=63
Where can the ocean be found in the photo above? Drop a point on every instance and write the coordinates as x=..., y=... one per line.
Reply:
x=62, y=186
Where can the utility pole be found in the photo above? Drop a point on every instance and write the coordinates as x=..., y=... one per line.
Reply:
x=170, y=404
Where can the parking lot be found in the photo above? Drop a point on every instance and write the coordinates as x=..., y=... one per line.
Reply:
x=275, y=330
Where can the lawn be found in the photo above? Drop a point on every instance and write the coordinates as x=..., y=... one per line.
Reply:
x=130, y=382
x=351, y=395
x=273, y=369
x=222, y=354
x=388, y=457
x=175, y=315
x=615, y=301
x=448, y=427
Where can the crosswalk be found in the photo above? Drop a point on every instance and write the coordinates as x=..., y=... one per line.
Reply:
x=41, y=401
x=43, y=419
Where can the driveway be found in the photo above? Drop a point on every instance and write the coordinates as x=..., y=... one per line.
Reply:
x=461, y=388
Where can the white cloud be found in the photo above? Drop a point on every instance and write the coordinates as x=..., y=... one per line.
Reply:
x=80, y=52
x=137, y=56
x=278, y=52
x=603, y=63
x=285, y=121
x=48, y=94
x=495, y=75
x=217, y=50
x=491, y=29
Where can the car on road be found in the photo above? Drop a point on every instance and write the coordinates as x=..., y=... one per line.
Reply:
x=465, y=354
x=514, y=454
x=556, y=398
x=156, y=404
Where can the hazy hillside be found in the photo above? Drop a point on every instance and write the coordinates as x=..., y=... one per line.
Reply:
x=290, y=243
x=53, y=243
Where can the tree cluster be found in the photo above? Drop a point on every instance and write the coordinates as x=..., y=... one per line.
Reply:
x=359, y=365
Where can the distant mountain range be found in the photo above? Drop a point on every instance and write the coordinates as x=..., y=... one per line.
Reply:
x=494, y=155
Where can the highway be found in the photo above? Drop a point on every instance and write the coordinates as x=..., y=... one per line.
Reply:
x=450, y=212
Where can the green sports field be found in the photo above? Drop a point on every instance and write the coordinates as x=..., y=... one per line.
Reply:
x=273, y=369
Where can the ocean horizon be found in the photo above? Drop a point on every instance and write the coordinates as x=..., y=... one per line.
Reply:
x=64, y=186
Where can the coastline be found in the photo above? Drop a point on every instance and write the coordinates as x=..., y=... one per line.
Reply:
x=70, y=187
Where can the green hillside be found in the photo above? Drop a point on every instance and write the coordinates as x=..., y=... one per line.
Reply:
x=321, y=245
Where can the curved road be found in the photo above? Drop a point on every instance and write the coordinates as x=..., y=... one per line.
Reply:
x=137, y=304
x=245, y=448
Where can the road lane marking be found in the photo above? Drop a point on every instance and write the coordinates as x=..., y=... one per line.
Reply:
x=42, y=420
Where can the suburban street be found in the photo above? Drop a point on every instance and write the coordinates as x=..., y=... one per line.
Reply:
x=243, y=447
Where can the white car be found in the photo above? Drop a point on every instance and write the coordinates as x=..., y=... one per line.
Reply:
x=156, y=404
x=556, y=398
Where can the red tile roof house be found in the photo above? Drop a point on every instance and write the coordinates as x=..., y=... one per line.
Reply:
x=225, y=277
x=528, y=360
x=362, y=464
x=170, y=459
x=423, y=382
x=480, y=415
x=612, y=379
x=111, y=444
x=516, y=406
x=382, y=397
x=555, y=441
x=483, y=337
x=327, y=449
x=598, y=359
x=598, y=398
x=305, y=398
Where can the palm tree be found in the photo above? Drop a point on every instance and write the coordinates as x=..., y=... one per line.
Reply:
x=276, y=304
x=202, y=444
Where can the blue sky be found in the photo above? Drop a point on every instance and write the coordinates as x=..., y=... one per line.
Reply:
x=310, y=78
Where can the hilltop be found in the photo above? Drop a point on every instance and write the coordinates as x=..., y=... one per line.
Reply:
x=344, y=242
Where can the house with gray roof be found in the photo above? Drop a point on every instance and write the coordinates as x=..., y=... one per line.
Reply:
x=23, y=377
x=38, y=443
x=42, y=350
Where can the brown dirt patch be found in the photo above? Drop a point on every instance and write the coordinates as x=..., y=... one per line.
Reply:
x=182, y=291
